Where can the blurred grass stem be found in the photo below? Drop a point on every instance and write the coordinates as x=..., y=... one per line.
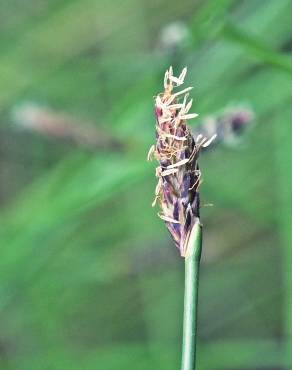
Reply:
x=192, y=264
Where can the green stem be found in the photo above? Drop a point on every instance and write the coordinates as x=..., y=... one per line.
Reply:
x=192, y=264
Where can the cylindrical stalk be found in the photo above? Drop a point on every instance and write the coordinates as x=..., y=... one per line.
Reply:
x=192, y=264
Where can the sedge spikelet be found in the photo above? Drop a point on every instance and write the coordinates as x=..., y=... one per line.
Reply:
x=177, y=152
x=229, y=126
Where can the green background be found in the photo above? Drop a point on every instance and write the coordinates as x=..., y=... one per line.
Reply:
x=89, y=278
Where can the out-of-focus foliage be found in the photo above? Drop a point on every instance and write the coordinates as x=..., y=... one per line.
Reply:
x=89, y=277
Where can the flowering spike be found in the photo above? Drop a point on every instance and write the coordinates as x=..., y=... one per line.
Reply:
x=227, y=127
x=177, y=152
